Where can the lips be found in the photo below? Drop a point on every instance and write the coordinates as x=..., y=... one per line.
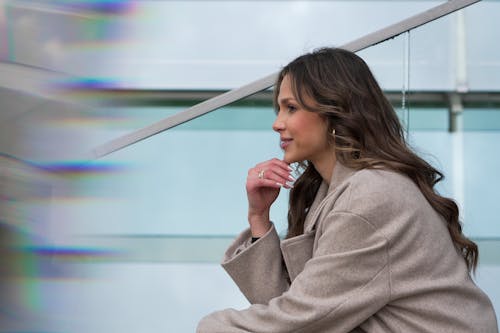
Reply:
x=284, y=142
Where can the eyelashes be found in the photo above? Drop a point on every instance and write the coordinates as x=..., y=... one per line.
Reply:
x=290, y=108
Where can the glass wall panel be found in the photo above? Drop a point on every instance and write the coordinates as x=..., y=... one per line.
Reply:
x=483, y=67
x=131, y=242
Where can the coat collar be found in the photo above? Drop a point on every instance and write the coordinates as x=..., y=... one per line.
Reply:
x=339, y=174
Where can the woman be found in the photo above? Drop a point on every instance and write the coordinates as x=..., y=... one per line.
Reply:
x=371, y=247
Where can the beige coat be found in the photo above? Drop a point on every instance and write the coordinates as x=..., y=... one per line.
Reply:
x=374, y=257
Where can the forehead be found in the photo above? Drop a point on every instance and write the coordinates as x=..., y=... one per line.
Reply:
x=285, y=90
x=300, y=94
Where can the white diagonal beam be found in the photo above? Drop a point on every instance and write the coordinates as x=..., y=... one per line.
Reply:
x=266, y=82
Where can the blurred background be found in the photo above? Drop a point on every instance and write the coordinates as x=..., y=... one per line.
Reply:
x=131, y=242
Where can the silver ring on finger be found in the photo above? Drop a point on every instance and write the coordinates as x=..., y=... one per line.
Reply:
x=261, y=174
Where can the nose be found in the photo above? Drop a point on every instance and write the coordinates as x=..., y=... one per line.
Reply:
x=278, y=124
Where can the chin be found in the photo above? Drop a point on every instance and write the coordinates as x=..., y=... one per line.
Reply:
x=290, y=159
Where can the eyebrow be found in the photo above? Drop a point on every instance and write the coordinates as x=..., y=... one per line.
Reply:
x=287, y=99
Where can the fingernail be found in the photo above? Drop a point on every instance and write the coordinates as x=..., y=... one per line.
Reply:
x=289, y=167
x=289, y=185
x=291, y=178
x=279, y=184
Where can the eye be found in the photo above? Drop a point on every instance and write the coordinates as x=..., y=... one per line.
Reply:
x=291, y=108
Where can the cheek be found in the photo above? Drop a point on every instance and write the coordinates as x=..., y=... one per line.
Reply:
x=321, y=139
x=309, y=127
x=317, y=128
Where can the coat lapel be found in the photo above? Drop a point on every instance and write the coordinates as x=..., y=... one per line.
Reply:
x=340, y=173
x=298, y=250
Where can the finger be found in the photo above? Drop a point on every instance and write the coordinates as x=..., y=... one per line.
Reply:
x=284, y=172
x=270, y=183
x=277, y=166
x=274, y=162
x=261, y=177
x=280, y=164
x=277, y=175
x=275, y=179
x=274, y=169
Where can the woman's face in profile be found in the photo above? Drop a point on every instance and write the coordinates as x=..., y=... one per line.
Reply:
x=303, y=134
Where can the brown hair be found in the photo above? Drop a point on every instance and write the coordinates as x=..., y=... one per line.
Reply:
x=368, y=134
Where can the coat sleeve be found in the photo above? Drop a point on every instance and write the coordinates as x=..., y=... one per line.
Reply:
x=258, y=268
x=345, y=282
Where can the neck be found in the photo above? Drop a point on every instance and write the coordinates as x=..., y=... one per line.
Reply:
x=325, y=167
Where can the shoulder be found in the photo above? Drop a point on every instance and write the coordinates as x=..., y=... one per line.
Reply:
x=379, y=193
x=369, y=181
x=388, y=205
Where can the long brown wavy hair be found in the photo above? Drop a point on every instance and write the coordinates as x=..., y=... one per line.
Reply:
x=339, y=85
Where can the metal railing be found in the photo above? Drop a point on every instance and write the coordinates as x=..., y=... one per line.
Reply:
x=269, y=80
